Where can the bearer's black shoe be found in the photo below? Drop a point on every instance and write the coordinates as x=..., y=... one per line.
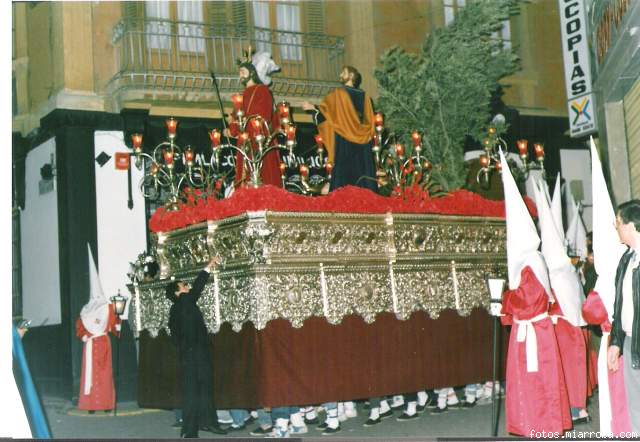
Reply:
x=215, y=429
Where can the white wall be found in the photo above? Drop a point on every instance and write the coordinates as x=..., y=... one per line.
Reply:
x=39, y=243
x=121, y=231
x=575, y=166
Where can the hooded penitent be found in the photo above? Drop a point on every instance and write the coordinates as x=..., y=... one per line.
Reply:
x=556, y=208
x=607, y=251
x=95, y=318
x=563, y=276
x=95, y=313
x=576, y=232
x=522, y=237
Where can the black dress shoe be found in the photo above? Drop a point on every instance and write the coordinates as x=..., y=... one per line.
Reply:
x=439, y=410
x=371, y=422
x=322, y=426
x=407, y=417
x=215, y=429
x=328, y=431
x=466, y=405
x=582, y=420
x=313, y=421
x=386, y=414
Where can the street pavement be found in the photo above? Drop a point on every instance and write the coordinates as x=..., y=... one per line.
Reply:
x=132, y=422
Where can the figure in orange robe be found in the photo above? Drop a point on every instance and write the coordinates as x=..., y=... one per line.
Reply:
x=96, y=380
x=536, y=396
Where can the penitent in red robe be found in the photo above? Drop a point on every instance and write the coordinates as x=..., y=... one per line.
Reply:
x=573, y=354
x=535, y=401
x=102, y=395
x=257, y=100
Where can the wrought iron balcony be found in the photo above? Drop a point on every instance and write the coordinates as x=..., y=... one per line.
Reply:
x=160, y=58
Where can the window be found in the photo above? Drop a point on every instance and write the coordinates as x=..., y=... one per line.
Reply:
x=190, y=34
x=288, y=19
x=451, y=9
x=281, y=16
x=158, y=31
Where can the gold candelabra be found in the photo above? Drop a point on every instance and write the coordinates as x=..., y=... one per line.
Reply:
x=395, y=168
x=490, y=159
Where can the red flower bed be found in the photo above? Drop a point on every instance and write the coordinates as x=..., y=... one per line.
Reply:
x=348, y=199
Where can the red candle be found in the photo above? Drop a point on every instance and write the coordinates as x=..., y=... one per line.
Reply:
x=188, y=156
x=304, y=170
x=283, y=109
x=236, y=99
x=154, y=168
x=415, y=136
x=172, y=125
x=376, y=141
x=538, y=150
x=399, y=150
x=256, y=124
x=243, y=138
x=379, y=121
x=523, y=147
x=136, y=140
x=498, y=166
x=283, y=168
x=291, y=133
x=319, y=141
x=214, y=135
x=328, y=168
x=168, y=157
x=484, y=161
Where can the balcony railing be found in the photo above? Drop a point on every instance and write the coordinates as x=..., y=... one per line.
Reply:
x=159, y=56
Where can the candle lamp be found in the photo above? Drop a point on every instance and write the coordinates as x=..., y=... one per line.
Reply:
x=172, y=126
x=136, y=141
x=188, y=156
x=538, y=150
x=283, y=113
x=168, y=158
x=214, y=136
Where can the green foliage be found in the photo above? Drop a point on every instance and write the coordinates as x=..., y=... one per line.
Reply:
x=445, y=90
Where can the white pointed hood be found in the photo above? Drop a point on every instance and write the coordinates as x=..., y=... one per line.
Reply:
x=522, y=236
x=563, y=276
x=571, y=205
x=577, y=234
x=95, y=313
x=607, y=248
x=556, y=208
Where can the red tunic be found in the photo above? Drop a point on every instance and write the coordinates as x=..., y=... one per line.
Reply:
x=573, y=354
x=535, y=401
x=257, y=100
x=102, y=395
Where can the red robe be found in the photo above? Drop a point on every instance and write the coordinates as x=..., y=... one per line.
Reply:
x=102, y=395
x=595, y=313
x=535, y=401
x=257, y=100
x=573, y=354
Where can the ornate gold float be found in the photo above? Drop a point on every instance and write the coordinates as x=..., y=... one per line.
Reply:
x=298, y=265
